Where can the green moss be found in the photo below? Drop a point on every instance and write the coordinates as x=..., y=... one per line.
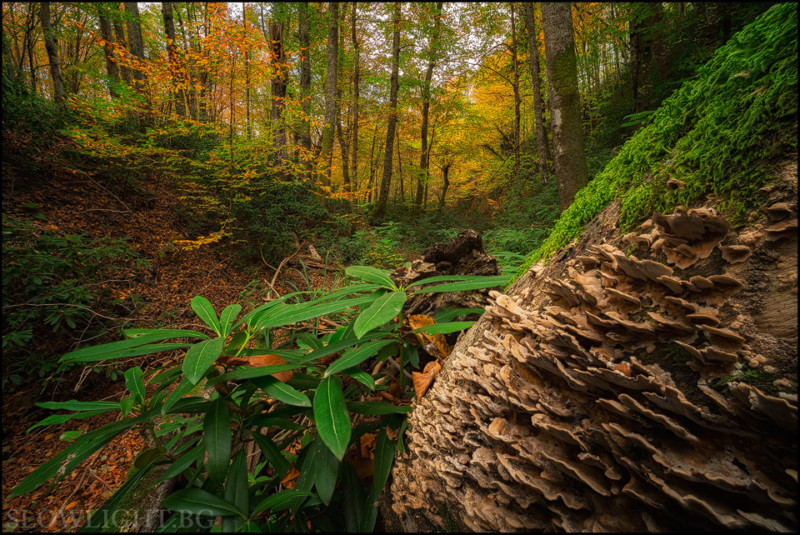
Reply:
x=450, y=525
x=763, y=381
x=717, y=134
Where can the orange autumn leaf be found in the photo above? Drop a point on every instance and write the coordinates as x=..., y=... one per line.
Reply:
x=71, y=505
x=290, y=477
x=435, y=344
x=257, y=361
x=423, y=380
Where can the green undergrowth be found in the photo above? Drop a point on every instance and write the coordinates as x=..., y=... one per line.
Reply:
x=718, y=134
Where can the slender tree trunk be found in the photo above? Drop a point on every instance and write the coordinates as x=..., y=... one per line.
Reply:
x=424, y=157
x=400, y=168
x=278, y=85
x=356, y=74
x=565, y=102
x=542, y=146
x=386, y=181
x=516, y=90
x=343, y=135
x=108, y=49
x=372, y=163
x=189, y=76
x=178, y=93
x=445, y=184
x=52, y=52
x=305, y=82
x=330, y=93
x=246, y=76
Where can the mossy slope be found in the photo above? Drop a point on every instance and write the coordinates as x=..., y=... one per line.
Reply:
x=718, y=134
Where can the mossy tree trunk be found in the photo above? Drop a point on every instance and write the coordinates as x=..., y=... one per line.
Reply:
x=542, y=146
x=330, y=94
x=383, y=196
x=565, y=103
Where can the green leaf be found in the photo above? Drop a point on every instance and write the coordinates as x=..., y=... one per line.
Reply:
x=280, y=501
x=200, y=357
x=73, y=405
x=217, y=440
x=183, y=462
x=164, y=333
x=443, y=315
x=183, y=388
x=227, y=317
x=384, y=455
x=200, y=502
x=371, y=274
x=134, y=383
x=353, y=502
x=276, y=459
x=281, y=391
x=132, y=352
x=310, y=340
x=380, y=312
x=376, y=407
x=305, y=480
x=446, y=278
x=444, y=328
x=54, y=419
x=356, y=357
x=370, y=511
x=331, y=417
x=236, y=490
x=146, y=457
x=89, y=354
x=326, y=467
x=202, y=307
x=125, y=405
x=361, y=376
x=332, y=347
x=69, y=436
x=480, y=282
x=251, y=372
x=287, y=314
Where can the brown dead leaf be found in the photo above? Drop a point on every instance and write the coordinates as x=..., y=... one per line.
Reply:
x=257, y=361
x=435, y=344
x=423, y=380
x=368, y=444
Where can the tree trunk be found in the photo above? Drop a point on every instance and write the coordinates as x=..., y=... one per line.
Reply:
x=246, y=76
x=343, y=134
x=191, y=93
x=52, y=52
x=330, y=94
x=400, y=169
x=278, y=86
x=424, y=156
x=549, y=415
x=445, y=184
x=119, y=31
x=565, y=102
x=356, y=74
x=542, y=146
x=178, y=93
x=136, y=43
x=305, y=83
x=108, y=49
x=516, y=90
x=383, y=197
x=642, y=33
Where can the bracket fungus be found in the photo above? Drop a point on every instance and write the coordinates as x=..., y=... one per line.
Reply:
x=589, y=405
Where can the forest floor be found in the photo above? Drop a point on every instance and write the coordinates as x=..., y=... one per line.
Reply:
x=154, y=296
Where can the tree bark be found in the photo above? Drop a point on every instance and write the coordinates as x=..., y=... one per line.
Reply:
x=119, y=31
x=383, y=197
x=305, y=83
x=136, y=43
x=52, y=52
x=343, y=134
x=445, y=184
x=515, y=85
x=108, y=49
x=565, y=102
x=248, y=128
x=278, y=87
x=356, y=75
x=542, y=146
x=191, y=93
x=330, y=94
x=424, y=156
x=178, y=93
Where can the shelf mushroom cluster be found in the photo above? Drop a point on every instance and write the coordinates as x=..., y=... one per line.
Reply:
x=596, y=413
